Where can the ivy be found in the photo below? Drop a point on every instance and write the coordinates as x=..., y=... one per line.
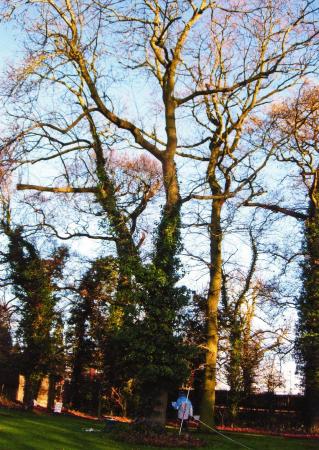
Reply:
x=308, y=324
x=34, y=283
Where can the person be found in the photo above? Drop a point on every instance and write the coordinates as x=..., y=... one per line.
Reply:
x=184, y=408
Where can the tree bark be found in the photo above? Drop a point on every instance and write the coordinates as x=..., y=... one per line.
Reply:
x=207, y=408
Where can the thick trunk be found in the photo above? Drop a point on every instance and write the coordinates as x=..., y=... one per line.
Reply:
x=168, y=238
x=108, y=200
x=166, y=262
x=207, y=409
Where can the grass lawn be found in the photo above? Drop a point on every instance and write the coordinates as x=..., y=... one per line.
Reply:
x=36, y=431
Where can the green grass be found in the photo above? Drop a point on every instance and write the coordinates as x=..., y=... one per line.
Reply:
x=29, y=431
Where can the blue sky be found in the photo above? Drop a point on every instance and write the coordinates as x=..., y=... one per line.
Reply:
x=8, y=43
x=9, y=53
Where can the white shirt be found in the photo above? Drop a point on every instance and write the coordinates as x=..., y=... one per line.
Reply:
x=185, y=409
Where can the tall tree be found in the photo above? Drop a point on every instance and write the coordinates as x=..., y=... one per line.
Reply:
x=75, y=51
x=226, y=116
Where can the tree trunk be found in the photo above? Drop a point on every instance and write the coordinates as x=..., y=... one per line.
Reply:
x=51, y=393
x=207, y=409
x=27, y=394
x=31, y=387
x=168, y=238
x=234, y=370
x=158, y=415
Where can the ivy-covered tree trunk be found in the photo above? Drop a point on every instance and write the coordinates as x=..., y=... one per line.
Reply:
x=160, y=355
x=161, y=299
x=251, y=353
x=154, y=351
x=308, y=328
x=169, y=299
x=234, y=374
x=127, y=251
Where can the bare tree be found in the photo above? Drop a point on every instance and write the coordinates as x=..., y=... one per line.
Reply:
x=232, y=165
x=71, y=48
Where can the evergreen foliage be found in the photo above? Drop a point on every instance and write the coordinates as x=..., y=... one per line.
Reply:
x=91, y=319
x=7, y=357
x=153, y=351
x=308, y=325
x=34, y=283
